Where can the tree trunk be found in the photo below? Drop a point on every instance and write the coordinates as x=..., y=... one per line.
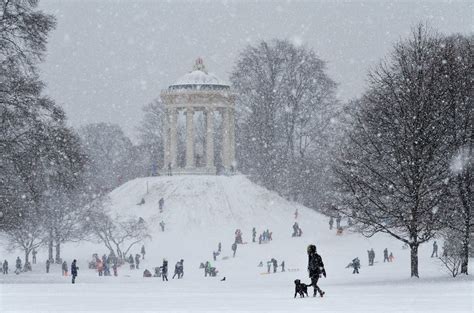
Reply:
x=414, y=259
x=50, y=246
x=58, y=252
x=465, y=247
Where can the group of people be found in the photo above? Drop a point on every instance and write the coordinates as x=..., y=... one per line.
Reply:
x=355, y=263
x=209, y=270
x=266, y=236
x=297, y=232
x=273, y=262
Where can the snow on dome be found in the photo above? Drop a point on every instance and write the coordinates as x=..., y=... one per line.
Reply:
x=199, y=77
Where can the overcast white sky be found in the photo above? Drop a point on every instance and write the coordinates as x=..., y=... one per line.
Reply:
x=106, y=59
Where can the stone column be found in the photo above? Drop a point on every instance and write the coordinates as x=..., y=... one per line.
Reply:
x=209, y=139
x=166, y=139
x=189, y=138
x=173, y=145
x=226, y=138
x=232, y=136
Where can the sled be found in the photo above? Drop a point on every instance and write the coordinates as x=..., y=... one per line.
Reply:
x=292, y=270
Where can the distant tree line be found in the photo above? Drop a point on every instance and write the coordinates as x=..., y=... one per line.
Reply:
x=48, y=173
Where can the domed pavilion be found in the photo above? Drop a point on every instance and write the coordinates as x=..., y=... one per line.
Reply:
x=199, y=92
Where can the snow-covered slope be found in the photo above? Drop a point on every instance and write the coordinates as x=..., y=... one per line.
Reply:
x=197, y=203
x=201, y=211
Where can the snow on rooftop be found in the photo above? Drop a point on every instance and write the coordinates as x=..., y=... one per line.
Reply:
x=199, y=76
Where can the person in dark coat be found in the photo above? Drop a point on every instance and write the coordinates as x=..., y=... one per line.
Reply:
x=214, y=255
x=48, y=263
x=143, y=252
x=162, y=225
x=74, y=270
x=356, y=266
x=331, y=222
x=34, y=255
x=137, y=260
x=234, y=248
x=164, y=270
x=338, y=221
x=18, y=264
x=161, y=204
x=275, y=265
x=254, y=234
x=176, y=270
x=219, y=247
x=282, y=266
x=315, y=269
x=64, y=268
x=435, y=250
x=385, y=255
x=5, y=267
x=131, y=261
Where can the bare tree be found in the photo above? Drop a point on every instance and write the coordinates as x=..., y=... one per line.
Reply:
x=394, y=170
x=457, y=68
x=285, y=105
x=27, y=236
x=117, y=233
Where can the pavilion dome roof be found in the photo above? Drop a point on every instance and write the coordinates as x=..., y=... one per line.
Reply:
x=199, y=78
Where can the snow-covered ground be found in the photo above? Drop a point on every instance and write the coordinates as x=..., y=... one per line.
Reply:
x=199, y=212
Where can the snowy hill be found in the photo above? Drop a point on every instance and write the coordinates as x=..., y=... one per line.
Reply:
x=196, y=203
x=199, y=212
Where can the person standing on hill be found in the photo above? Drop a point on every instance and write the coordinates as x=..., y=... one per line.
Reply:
x=5, y=267
x=74, y=270
x=64, y=268
x=18, y=264
x=162, y=225
x=219, y=247
x=143, y=252
x=254, y=234
x=275, y=265
x=385, y=255
x=282, y=266
x=137, y=260
x=234, y=248
x=435, y=249
x=161, y=204
x=164, y=270
x=315, y=269
x=34, y=255
x=338, y=221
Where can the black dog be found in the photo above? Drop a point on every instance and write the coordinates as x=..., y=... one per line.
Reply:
x=301, y=288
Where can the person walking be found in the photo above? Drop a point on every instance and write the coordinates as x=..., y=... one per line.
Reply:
x=164, y=270
x=385, y=255
x=5, y=267
x=234, y=248
x=435, y=249
x=64, y=268
x=74, y=270
x=355, y=266
x=338, y=221
x=18, y=265
x=142, y=251
x=137, y=260
x=161, y=204
x=315, y=269
x=34, y=255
